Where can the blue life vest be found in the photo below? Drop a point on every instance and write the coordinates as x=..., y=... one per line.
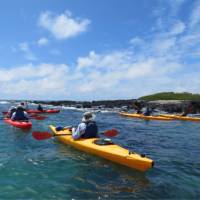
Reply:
x=19, y=115
x=91, y=130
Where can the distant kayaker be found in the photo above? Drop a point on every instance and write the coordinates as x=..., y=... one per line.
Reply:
x=19, y=114
x=138, y=107
x=87, y=128
x=188, y=110
x=11, y=110
x=40, y=108
x=148, y=111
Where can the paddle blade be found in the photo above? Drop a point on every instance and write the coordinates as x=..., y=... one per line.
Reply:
x=111, y=133
x=41, y=135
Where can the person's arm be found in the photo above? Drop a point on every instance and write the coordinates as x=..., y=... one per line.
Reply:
x=13, y=116
x=76, y=133
x=26, y=114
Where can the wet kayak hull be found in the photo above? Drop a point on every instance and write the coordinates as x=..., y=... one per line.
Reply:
x=185, y=118
x=18, y=124
x=141, y=116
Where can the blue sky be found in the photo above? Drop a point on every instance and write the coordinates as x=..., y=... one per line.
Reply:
x=98, y=49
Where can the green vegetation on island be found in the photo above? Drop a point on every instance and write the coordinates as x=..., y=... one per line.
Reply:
x=171, y=96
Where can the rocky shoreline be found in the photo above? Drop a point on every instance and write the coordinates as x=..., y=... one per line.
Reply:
x=169, y=106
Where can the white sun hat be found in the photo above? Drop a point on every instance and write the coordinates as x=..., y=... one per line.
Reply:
x=88, y=116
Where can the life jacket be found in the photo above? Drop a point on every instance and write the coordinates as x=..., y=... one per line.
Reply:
x=91, y=130
x=19, y=115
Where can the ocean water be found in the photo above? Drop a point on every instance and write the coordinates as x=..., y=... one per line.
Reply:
x=47, y=169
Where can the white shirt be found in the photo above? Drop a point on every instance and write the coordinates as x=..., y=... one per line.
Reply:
x=76, y=133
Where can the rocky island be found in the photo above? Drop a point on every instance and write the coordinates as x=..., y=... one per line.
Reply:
x=168, y=102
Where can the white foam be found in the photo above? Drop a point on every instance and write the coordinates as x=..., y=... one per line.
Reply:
x=4, y=102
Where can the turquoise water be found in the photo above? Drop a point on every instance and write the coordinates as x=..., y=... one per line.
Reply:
x=47, y=169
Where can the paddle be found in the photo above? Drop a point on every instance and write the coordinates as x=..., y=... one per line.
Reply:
x=46, y=135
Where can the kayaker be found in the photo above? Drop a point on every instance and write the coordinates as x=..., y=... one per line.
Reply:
x=40, y=108
x=148, y=111
x=11, y=110
x=87, y=128
x=19, y=114
x=188, y=110
x=138, y=107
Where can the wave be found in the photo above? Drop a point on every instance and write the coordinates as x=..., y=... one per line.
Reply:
x=4, y=102
x=89, y=109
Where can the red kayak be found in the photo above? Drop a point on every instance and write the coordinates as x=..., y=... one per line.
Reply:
x=18, y=124
x=44, y=111
x=37, y=111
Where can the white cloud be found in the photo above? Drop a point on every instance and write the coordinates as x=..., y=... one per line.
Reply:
x=28, y=53
x=137, y=41
x=158, y=62
x=34, y=81
x=42, y=41
x=178, y=28
x=63, y=26
x=121, y=70
x=111, y=60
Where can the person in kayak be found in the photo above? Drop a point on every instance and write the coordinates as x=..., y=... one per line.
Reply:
x=138, y=107
x=19, y=114
x=187, y=111
x=87, y=128
x=148, y=111
x=40, y=108
x=11, y=111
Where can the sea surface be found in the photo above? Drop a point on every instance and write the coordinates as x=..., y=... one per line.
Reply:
x=47, y=169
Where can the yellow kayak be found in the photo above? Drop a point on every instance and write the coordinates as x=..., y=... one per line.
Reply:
x=187, y=118
x=141, y=116
x=111, y=152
